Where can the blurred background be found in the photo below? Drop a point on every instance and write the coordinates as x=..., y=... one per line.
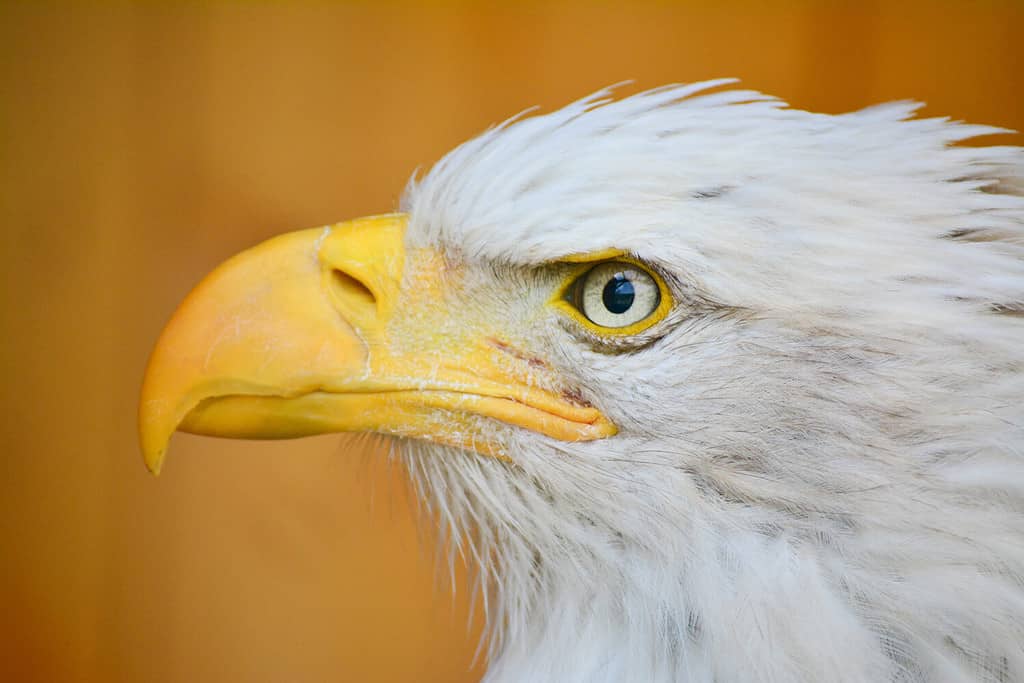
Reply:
x=143, y=144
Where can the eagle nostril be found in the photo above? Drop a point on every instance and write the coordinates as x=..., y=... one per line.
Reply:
x=351, y=289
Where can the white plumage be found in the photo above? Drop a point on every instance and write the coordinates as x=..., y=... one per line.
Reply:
x=819, y=470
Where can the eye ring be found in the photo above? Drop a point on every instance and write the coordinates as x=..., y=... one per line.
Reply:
x=618, y=297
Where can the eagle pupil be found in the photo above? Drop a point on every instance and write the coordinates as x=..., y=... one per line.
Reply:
x=618, y=294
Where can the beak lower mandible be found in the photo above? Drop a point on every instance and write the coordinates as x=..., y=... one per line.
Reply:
x=280, y=320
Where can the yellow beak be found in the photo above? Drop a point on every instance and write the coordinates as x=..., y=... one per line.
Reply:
x=296, y=336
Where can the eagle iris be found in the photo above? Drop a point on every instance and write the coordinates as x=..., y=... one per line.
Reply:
x=616, y=294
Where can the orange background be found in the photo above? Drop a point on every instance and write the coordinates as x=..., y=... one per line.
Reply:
x=143, y=144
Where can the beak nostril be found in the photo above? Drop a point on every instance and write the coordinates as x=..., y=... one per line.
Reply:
x=351, y=288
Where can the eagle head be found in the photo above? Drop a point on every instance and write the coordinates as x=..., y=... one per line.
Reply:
x=710, y=389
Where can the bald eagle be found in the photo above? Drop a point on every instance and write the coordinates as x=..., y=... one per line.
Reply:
x=711, y=389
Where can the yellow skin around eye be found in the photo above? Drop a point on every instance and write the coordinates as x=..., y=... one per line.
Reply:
x=583, y=265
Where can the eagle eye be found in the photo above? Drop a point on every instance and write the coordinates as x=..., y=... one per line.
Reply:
x=616, y=297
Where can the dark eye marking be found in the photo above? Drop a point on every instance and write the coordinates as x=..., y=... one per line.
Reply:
x=712, y=192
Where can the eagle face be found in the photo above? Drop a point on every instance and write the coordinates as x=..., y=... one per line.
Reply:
x=709, y=388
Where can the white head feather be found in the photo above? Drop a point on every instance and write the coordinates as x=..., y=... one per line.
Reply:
x=819, y=474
